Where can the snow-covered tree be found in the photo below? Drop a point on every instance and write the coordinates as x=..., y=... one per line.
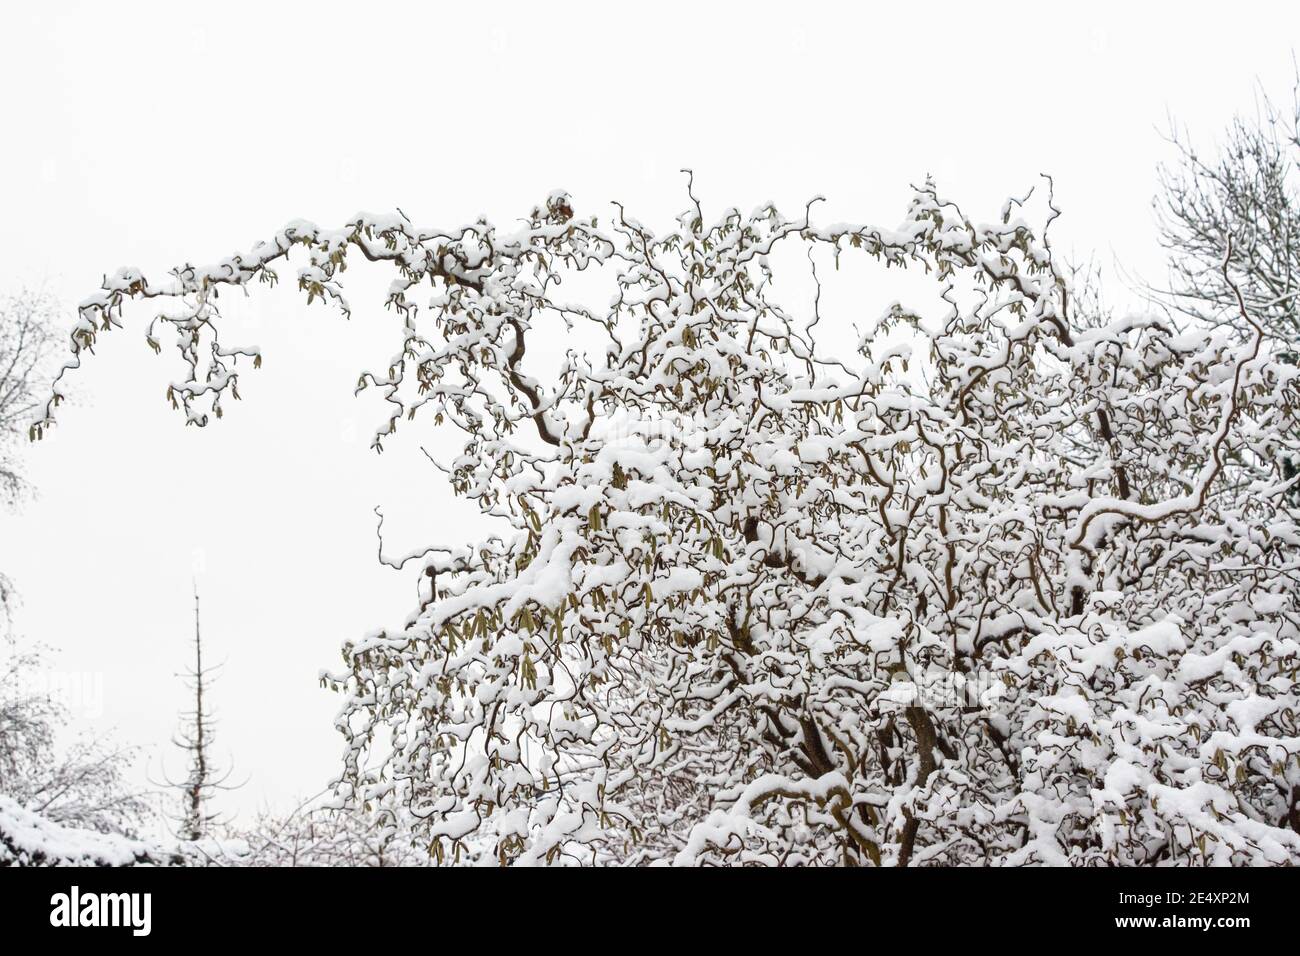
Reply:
x=62, y=800
x=1245, y=192
x=77, y=783
x=26, y=342
x=999, y=583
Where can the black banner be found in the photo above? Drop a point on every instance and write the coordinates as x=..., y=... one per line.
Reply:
x=263, y=905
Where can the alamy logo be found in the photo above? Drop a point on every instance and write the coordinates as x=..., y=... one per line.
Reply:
x=102, y=909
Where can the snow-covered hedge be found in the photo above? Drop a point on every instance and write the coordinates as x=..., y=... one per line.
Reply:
x=29, y=839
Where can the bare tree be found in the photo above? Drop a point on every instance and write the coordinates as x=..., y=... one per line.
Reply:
x=196, y=736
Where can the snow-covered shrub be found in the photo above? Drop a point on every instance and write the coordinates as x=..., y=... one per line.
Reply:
x=313, y=836
x=30, y=839
x=713, y=640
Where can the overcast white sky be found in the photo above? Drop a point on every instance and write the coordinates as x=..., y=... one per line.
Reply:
x=152, y=134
